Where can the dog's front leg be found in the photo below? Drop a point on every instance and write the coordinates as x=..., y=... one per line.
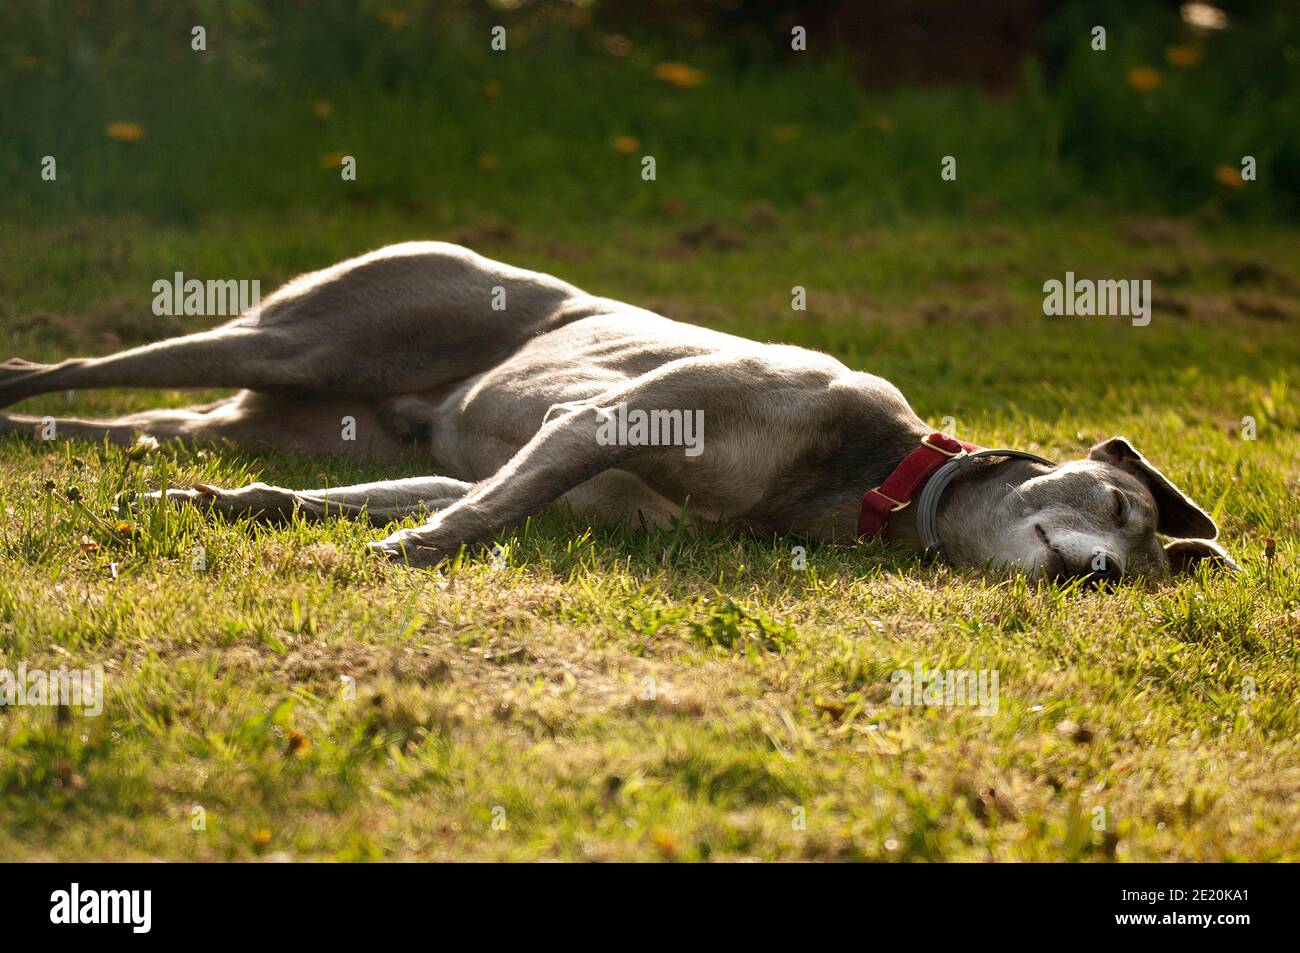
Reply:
x=380, y=503
x=562, y=455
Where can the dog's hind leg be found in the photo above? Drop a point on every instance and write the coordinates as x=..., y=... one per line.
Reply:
x=229, y=356
x=163, y=424
x=400, y=320
x=341, y=427
x=380, y=503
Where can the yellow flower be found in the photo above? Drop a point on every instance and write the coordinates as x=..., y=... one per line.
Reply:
x=1229, y=176
x=487, y=162
x=680, y=75
x=322, y=109
x=124, y=131
x=492, y=88
x=1184, y=56
x=1144, y=79
x=663, y=840
x=626, y=145
x=331, y=160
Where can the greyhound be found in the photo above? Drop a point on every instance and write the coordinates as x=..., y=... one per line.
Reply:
x=525, y=390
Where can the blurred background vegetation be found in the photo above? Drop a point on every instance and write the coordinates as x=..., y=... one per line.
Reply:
x=554, y=128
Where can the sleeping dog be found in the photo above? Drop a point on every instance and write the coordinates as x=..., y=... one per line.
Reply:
x=525, y=390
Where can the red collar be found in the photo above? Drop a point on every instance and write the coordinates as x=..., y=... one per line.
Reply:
x=906, y=481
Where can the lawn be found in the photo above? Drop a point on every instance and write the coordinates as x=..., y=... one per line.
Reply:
x=608, y=693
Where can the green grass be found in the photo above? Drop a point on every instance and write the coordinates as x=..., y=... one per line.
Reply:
x=612, y=693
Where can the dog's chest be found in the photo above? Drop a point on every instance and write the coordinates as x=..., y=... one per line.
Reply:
x=732, y=472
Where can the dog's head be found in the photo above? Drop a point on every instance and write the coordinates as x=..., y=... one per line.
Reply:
x=1099, y=518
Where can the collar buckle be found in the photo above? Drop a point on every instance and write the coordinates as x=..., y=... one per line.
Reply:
x=898, y=505
x=926, y=442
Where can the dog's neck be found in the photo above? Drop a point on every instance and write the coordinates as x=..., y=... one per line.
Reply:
x=965, y=519
x=827, y=509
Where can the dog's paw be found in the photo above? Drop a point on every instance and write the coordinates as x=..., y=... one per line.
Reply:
x=202, y=496
x=15, y=374
x=407, y=550
x=27, y=428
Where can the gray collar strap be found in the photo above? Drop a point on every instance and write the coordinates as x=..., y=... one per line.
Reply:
x=927, y=503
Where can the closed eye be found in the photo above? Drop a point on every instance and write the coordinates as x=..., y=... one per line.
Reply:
x=1121, y=506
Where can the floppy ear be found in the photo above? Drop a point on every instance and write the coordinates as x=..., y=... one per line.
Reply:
x=1186, y=554
x=1176, y=515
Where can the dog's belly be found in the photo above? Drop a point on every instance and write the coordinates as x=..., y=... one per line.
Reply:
x=303, y=424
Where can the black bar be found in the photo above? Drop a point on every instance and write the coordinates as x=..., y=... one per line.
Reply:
x=332, y=902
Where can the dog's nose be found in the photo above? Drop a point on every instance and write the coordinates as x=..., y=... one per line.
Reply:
x=1105, y=568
